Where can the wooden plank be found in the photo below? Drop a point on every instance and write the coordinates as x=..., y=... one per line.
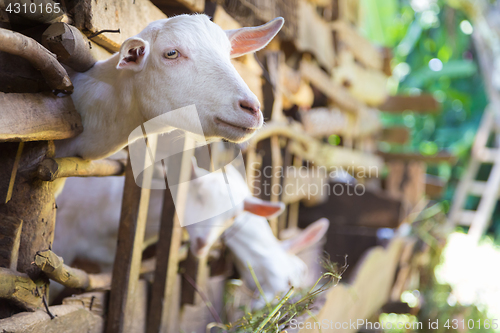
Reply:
x=424, y=103
x=131, y=17
x=487, y=204
x=37, y=117
x=164, y=309
x=368, y=291
x=440, y=157
x=332, y=90
x=196, y=6
x=399, y=135
x=364, y=51
x=314, y=35
x=465, y=217
x=131, y=232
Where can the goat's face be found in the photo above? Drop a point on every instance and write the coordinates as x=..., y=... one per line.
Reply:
x=185, y=60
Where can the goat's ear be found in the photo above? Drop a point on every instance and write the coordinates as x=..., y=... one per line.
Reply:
x=263, y=208
x=247, y=40
x=309, y=236
x=133, y=54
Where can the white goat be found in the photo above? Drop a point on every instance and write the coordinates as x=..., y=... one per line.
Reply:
x=172, y=63
x=87, y=227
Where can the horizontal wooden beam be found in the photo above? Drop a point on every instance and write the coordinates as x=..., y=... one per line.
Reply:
x=51, y=169
x=38, y=117
x=424, y=103
x=437, y=158
x=41, y=58
x=197, y=6
x=129, y=17
x=399, y=135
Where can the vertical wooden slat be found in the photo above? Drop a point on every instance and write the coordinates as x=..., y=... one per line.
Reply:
x=274, y=59
x=163, y=316
x=128, y=257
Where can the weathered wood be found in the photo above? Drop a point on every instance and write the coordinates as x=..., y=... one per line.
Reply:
x=37, y=117
x=68, y=319
x=55, y=269
x=131, y=17
x=21, y=290
x=17, y=75
x=10, y=238
x=196, y=6
x=95, y=302
x=126, y=268
x=362, y=48
x=13, y=175
x=70, y=45
x=135, y=318
x=53, y=168
x=314, y=35
x=42, y=59
x=32, y=201
x=164, y=306
x=424, y=103
x=321, y=80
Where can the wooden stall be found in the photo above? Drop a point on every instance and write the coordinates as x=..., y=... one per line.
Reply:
x=321, y=84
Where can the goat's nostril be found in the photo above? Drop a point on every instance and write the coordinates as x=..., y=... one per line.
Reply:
x=249, y=106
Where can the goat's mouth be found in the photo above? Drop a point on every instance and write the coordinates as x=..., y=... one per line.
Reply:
x=246, y=130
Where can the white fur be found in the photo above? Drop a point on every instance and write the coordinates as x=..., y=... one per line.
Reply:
x=88, y=219
x=116, y=96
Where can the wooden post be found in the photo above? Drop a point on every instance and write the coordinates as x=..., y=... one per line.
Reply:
x=130, y=237
x=163, y=316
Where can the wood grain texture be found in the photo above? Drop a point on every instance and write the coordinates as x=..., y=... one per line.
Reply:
x=21, y=290
x=41, y=58
x=36, y=117
x=70, y=45
x=33, y=202
x=69, y=319
x=131, y=17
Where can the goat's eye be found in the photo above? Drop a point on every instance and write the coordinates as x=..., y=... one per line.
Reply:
x=172, y=54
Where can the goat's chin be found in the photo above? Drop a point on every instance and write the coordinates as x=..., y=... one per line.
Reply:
x=233, y=132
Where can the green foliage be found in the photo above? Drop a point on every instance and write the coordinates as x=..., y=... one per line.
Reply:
x=276, y=317
x=433, y=53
